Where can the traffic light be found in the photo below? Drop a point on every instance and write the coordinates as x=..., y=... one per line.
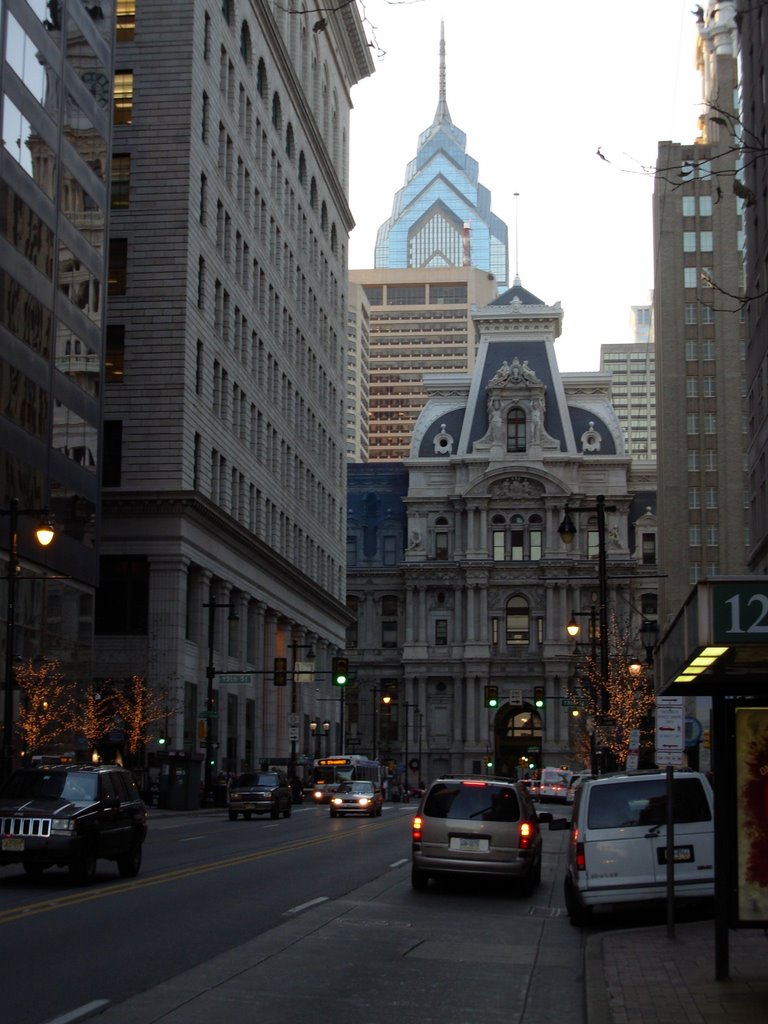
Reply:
x=162, y=739
x=340, y=671
x=489, y=762
x=491, y=696
x=281, y=671
x=538, y=696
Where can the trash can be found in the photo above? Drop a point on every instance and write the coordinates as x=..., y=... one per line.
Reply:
x=180, y=782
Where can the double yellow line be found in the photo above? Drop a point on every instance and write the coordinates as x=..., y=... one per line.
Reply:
x=72, y=899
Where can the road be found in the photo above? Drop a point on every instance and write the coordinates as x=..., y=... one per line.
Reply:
x=209, y=885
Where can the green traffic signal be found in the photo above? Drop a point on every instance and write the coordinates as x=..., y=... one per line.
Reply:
x=491, y=696
x=538, y=696
x=340, y=671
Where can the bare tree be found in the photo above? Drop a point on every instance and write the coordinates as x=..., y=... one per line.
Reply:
x=46, y=710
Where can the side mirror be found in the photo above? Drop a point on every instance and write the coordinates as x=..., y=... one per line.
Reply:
x=545, y=816
x=558, y=824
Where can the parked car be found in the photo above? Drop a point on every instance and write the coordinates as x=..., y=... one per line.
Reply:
x=553, y=784
x=71, y=816
x=477, y=825
x=618, y=850
x=259, y=793
x=356, y=798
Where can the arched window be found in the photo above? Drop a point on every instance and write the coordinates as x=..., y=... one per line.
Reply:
x=228, y=10
x=324, y=217
x=518, y=622
x=302, y=168
x=441, y=538
x=516, y=430
x=245, y=43
x=313, y=194
x=289, y=144
x=334, y=240
x=277, y=112
x=261, y=78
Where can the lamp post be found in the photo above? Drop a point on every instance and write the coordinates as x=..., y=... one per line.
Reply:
x=573, y=629
x=44, y=534
x=210, y=713
x=293, y=723
x=567, y=532
x=407, y=706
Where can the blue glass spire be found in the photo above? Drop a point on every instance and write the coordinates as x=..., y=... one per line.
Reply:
x=442, y=217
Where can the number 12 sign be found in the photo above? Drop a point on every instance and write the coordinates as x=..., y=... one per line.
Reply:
x=740, y=613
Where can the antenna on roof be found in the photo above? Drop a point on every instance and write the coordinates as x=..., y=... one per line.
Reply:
x=442, y=113
x=517, y=275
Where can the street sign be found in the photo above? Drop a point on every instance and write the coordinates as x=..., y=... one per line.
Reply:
x=233, y=678
x=293, y=718
x=293, y=732
x=569, y=702
x=515, y=697
x=670, y=738
x=304, y=671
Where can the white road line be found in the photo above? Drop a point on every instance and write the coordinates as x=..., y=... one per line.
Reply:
x=82, y=1011
x=399, y=863
x=309, y=903
x=191, y=839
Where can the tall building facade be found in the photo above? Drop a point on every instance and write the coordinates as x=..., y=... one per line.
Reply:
x=754, y=61
x=358, y=373
x=633, y=393
x=420, y=322
x=700, y=334
x=442, y=216
x=55, y=59
x=458, y=578
x=224, y=506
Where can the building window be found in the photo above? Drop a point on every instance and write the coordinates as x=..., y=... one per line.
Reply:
x=690, y=312
x=516, y=549
x=692, y=387
x=516, y=439
x=713, y=536
x=694, y=497
x=705, y=241
x=498, y=545
x=125, y=15
x=389, y=614
x=389, y=549
x=535, y=538
x=708, y=387
x=111, y=461
x=441, y=544
x=689, y=206
x=691, y=351
x=122, y=598
x=689, y=277
x=710, y=496
x=406, y=295
x=692, y=424
x=710, y=423
x=693, y=461
x=689, y=241
x=707, y=314
x=694, y=535
x=118, y=266
x=518, y=622
x=649, y=548
x=115, y=354
x=441, y=632
x=121, y=181
x=123, y=97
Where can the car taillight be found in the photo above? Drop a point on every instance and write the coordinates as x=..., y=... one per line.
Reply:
x=417, y=823
x=581, y=863
x=526, y=834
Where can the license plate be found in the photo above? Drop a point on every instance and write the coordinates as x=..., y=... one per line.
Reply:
x=13, y=844
x=468, y=843
x=248, y=807
x=682, y=854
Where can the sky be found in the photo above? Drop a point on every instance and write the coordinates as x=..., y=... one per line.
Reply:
x=537, y=86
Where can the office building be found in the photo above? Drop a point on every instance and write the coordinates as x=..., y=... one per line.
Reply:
x=754, y=44
x=225, y=449
x=700, y=334
x=54, y=167
x=358, y=373
x=442, y=215
x=420, y=322
x=633, y=393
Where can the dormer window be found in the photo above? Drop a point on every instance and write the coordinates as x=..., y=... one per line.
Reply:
x=516, y=432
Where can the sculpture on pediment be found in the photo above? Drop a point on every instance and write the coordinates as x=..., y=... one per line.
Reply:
x=591, y=440
x=514, y=373
x=443, y=442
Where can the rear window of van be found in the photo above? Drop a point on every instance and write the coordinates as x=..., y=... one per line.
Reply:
x=483, y=802
x=644, y=802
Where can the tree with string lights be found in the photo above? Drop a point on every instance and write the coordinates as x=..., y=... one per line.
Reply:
x=137, y=708
x=630, y=697
x=46, y=709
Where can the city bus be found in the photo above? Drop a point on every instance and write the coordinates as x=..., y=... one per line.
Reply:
x=328, y=772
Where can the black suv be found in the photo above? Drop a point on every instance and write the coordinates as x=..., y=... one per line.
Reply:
x=70, y=816
x=260, y=793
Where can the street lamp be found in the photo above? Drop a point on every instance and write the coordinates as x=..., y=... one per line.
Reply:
x=210, y=672
x=649, y=632
x=44, y=534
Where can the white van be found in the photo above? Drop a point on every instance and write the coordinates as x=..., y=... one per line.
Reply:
x=618, y=848
x=553, y=784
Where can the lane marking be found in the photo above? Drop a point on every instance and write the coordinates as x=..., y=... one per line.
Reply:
x=82, y=1011
x=305, y=906
x=399, y=863
x=130, y=885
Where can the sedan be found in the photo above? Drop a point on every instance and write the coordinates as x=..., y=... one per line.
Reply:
x=356, y=798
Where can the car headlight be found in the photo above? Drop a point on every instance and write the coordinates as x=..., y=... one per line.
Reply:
x=364, y=800
x=63, y=825
x=336, y=800
x=235, y=796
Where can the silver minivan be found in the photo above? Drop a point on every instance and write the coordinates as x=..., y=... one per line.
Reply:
x=618, y=849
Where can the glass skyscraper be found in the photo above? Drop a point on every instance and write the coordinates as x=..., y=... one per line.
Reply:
x=442, y=216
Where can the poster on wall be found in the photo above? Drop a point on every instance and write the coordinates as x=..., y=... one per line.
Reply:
x=752, y=815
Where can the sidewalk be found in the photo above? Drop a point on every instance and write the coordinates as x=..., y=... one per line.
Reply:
x=643, y=977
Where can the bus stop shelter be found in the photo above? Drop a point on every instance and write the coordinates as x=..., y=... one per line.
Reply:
x=717, y=647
